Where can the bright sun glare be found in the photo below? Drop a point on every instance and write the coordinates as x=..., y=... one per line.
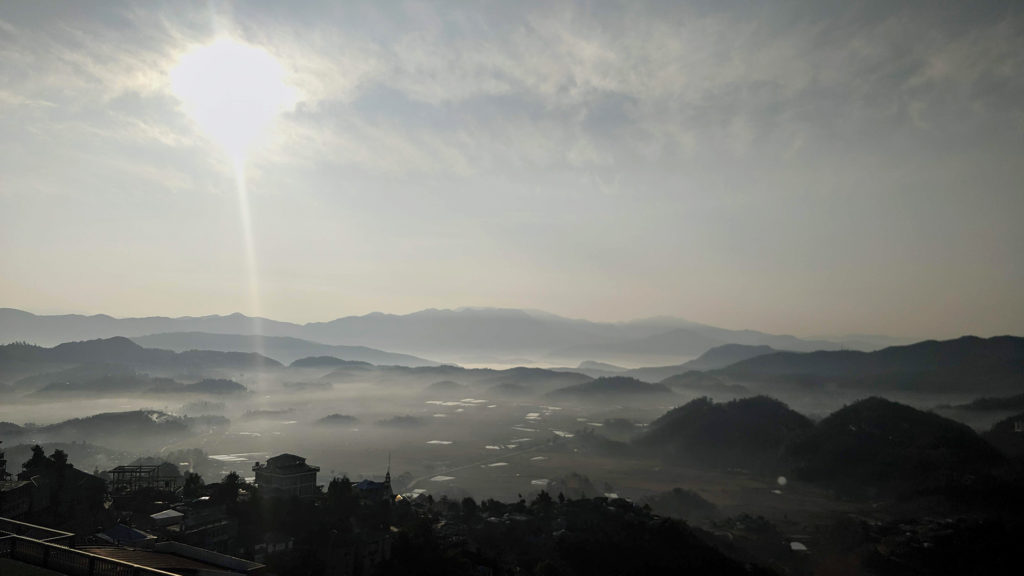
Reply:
x=233, y=91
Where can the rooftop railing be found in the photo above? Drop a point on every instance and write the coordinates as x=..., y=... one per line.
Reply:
x=40, y=533
x=68, y=560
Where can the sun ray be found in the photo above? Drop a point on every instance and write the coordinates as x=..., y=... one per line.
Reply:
x=234, y=92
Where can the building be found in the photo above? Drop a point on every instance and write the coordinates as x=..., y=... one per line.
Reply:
x=15, y=495
x=370, y=490
x=128, y=479
x=63, y=491
x=15, y=498
x=287, y=475
x=122, y=535
x=205, y=524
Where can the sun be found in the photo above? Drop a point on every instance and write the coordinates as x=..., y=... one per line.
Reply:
x=233, y=91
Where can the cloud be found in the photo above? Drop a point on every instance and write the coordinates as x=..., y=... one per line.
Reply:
x=552, y=85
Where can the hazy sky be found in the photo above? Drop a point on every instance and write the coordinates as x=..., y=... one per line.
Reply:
x=804, y=167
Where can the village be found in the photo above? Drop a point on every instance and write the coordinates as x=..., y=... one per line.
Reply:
x=157, y=520
x=150, y=519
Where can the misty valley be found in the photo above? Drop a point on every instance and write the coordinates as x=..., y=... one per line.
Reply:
x=571, y=288
x=791, y=461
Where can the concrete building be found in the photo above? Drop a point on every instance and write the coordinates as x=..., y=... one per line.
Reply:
x=287, y=475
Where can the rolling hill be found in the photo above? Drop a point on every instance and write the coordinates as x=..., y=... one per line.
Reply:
x=717, y=357
x=611, y=386
x=281, y=348
x=967, y=364
x=750, y=433
x=120, y=350
x=136, y=425
x=878, y=447
x=697, y=382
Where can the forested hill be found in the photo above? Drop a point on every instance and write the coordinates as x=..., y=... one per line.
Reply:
x=967, y=364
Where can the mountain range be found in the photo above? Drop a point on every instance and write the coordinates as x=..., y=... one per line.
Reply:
x=964, y=364
x=284, y=349
x=465, y=335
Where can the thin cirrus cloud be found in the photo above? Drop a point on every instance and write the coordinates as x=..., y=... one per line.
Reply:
x=807, y=144
x=623, y=81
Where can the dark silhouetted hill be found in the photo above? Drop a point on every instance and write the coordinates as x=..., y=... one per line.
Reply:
x=536, y=380
x=683, y=504
x=91, y=379
x=1007, y=435
x=214, y=386
x=697, y=382
x=125, y=426
x=1007, y=403
x=446, y=387
x=750, y=433
x=111, y=379
x=717, y=357
x=119, y=350
x=726, y=354
x=879, y=447
x=967, y=364
x=688, y=340
x=509, y=390
x=337, y=420
x=268, y=414
x=611, y=386
x=282, y=348
x=401, y=422
x=326, y=362
x=603, y=366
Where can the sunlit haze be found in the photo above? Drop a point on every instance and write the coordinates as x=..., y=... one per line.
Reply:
x=802, y=169
x=532, y=287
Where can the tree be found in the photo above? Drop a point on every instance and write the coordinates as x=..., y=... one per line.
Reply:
x=341, y=502
x=193, y=485
x=38, y=459
x=542, y=502
x=229, y=488
x=469, y=508
x=59, y=457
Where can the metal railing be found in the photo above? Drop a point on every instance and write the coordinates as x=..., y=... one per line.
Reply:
x=68, y=560
x=41, y=533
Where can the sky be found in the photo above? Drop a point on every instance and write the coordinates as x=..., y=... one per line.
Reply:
x=806, y=167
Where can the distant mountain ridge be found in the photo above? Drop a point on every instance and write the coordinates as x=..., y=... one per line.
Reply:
x=610, y=386
x=120, y=350
x=284, y=349
x=964, y=364
x=462, y=335
x=717, y=357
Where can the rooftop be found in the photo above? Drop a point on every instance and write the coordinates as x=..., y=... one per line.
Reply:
x=286, y=464
x=285, y=460
x=178, y=558
x=153, y=559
